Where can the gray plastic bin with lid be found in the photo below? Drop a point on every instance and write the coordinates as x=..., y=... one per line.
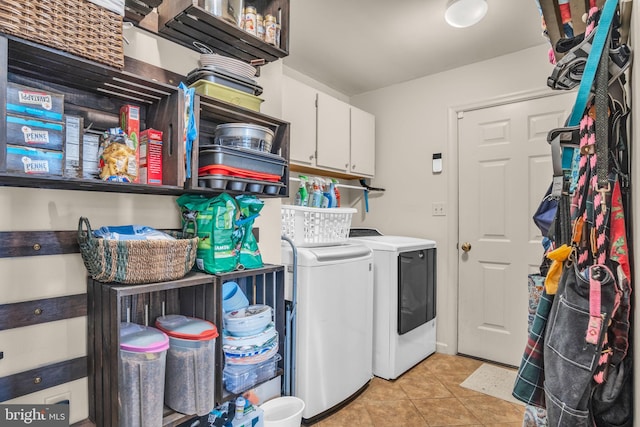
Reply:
x=189, y=386
x=143, y=353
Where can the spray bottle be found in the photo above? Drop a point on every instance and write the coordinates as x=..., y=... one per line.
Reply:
x=302, y=196
x=337, y=192
x=317, y=194
x=326, y=197
x=331, y=194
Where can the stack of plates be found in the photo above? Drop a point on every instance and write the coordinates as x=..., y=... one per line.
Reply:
x=232, y=65
x=224, y=77
x=249, y=335
x=248, y=321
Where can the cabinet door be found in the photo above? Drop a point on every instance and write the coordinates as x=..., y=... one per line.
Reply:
x=299, y=109
x=333, y=133
x=363, y=143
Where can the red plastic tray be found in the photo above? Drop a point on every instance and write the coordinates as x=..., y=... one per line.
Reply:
x=231, y=171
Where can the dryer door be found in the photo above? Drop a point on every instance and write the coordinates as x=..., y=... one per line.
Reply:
x=416, y=289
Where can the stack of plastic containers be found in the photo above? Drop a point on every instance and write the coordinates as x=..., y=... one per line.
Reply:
x=143, y=353
x=250, y=341
x=189, y=386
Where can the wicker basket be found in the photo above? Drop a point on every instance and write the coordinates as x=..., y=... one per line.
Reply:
x=135, y=261
x=75, y=26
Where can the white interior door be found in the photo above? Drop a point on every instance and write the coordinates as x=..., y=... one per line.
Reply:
x=505, y=169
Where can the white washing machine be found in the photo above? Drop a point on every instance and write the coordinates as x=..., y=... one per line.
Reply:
x=404, y=301
x=334, y=333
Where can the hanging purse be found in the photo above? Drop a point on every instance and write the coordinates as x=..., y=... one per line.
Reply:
x=546, y=212
x=574, y=339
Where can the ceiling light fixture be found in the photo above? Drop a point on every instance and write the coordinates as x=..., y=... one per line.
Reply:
x=465, y=13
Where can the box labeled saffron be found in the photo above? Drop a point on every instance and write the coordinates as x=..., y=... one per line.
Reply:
x=151, y=157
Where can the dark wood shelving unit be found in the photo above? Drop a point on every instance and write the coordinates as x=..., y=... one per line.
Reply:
x=197, y=295
x=96, y=92
x=54, y=66
x=188, y=23
x=136, y=10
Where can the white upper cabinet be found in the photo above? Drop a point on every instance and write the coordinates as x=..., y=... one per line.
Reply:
x=333, y=134
x=363, y=137
x=299, y=109
x=327, y=134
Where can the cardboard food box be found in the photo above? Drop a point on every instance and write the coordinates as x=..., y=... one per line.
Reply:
x=35, y=133
x=151, y=157
x=34, y=161
x=90, y=162
x=73, y=126
x=28, y=101
x=130, y=124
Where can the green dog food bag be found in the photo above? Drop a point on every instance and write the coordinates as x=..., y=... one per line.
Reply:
x=250, y=207
x=219, y=243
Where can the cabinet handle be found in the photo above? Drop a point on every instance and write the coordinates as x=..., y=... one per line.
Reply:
x=37, y=380
x=311, y=157
x=37, y=311
x=36, y=246
x=353, y=166
x=346, y=165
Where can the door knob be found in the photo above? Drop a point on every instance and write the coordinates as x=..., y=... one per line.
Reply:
x=466, y=246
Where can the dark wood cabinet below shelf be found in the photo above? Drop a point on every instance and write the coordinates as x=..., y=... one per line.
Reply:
x=196, y=295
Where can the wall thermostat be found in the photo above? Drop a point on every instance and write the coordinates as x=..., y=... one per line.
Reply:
x=437, y=162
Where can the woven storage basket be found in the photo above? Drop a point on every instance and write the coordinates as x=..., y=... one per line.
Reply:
x=135, y=261
x=75, y=26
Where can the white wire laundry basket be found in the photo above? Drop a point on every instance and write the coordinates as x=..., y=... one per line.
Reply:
x=308, y=227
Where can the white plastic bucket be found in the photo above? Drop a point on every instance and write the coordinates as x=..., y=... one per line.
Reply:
x=283, y=412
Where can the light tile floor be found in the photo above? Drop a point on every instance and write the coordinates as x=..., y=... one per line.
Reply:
x=428, y=395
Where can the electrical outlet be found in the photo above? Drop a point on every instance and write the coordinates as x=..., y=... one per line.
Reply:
x=438, y=209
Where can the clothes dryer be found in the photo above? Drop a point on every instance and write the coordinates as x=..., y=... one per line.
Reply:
x=404, y=301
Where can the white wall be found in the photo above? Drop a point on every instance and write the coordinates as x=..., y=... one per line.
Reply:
x=412, y=123
x=30, y=278
x=314, y=83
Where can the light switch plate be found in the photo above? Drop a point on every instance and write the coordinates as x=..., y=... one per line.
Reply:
x=437, y=163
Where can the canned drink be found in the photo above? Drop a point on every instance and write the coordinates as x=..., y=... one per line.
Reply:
x=260, y=27
x=250, y=20
x=278, y=29
x=270, y=29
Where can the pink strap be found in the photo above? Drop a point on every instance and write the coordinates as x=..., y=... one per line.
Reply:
x=595, y=318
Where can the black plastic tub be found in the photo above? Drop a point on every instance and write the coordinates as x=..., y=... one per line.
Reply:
x=247, y=159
